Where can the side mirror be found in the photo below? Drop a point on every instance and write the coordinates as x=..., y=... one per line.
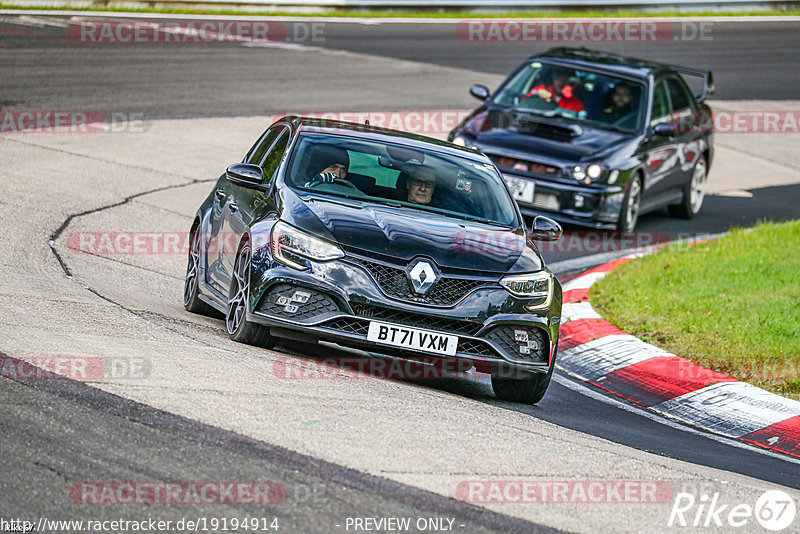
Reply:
x=664, y=129
x=481, y=92
x=245, y=175
x=545, y=229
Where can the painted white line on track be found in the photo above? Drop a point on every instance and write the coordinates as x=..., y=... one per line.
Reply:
x=712, y=407
x=572, y=311
x=597, y=358
x=587, y=391
x=583, y=282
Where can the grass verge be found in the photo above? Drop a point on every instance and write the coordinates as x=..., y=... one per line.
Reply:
x=732, y=305
x=413, y=14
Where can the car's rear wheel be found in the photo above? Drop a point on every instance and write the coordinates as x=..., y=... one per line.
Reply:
x=528, y=389
x=629, y=214
x=694, y=191
x=236, y=323
x=191, y=284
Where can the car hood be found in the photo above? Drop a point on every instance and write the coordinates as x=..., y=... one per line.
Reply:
x=405, y=233
x=556, y=139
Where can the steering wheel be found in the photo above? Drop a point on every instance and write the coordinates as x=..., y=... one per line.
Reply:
x=336, y=181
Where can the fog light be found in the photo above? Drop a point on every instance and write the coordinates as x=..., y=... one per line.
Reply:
x=578, y=201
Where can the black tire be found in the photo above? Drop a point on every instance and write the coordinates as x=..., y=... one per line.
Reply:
x=236, y=323
x=631, y=202
x=529, y=389
x=191, y=283
x=694, y=192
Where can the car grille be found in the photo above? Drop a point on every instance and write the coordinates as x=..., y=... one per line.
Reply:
x=350, y=325
x=315, y=304
x=520, y=165
x=546, y=202
x=505, y=336
x=393, y=282
x=477, y=348
x=417, y=320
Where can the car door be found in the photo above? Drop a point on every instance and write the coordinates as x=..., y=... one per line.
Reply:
x=222, y=241
x=661, y=150
x=246, y=205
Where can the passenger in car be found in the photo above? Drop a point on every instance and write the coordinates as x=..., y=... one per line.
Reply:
x=421, y=185
x=617, y=105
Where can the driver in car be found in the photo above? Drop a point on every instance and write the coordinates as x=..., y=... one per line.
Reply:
x=335, y=163
x=560, y=92
x=421, y=185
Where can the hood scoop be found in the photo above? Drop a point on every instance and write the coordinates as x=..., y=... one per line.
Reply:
x=547, y=130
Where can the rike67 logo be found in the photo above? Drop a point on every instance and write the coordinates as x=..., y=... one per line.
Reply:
x=774, y=510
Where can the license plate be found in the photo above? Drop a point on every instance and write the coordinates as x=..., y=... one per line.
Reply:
x=412, y=338
x=522, y=190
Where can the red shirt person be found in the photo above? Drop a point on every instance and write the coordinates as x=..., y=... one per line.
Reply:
x=560, y=91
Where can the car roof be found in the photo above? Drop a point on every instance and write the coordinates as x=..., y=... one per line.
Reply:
x=377, y=133
x=595, y=59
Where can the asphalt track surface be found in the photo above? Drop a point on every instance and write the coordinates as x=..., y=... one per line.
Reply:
x=49, y=429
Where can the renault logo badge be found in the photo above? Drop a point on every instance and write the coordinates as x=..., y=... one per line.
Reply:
x=422, y=275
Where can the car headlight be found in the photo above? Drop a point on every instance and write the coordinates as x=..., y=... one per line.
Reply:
x=460, y=141
x=588, y=174
x=291, y=247
x=594, y=171
x=538, y=286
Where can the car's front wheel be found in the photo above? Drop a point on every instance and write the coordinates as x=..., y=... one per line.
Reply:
x=528, y=389
x=236, y=323
x=629, y=214
x=694, y=191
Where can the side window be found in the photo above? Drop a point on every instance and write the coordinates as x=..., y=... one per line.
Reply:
x=256, y=153
x=269, y=164
x=681, y=101
x=660, y=111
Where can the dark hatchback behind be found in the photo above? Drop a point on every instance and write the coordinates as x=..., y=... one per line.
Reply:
x=595, y=139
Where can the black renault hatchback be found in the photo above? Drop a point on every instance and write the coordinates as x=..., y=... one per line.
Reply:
x=381, y=240
x=596, y=139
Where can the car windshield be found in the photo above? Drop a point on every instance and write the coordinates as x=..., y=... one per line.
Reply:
x=398, y=175
x=588, y=97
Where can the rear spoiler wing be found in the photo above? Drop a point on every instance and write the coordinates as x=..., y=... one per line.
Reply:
x=708, y=81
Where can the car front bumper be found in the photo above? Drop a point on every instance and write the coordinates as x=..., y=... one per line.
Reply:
x=592, y=206
x=343, y=297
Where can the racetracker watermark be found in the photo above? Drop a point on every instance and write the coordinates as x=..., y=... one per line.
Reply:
x=169, y=493
x=349, y=367
x=591, y=242
x=739, y=122
x=93, y=32
x=566, y=491
x=74, y=368
x=71, y=121
x=112, y=243
x=590, y=31
x=422, y=122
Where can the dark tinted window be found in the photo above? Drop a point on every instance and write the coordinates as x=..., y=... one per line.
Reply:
x=258, y=151
x=660, y=104
x=678, y=94
x=401, y=177
x=273, y=158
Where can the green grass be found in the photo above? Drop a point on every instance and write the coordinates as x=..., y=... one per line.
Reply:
x=732, y=305
x=413, y=14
